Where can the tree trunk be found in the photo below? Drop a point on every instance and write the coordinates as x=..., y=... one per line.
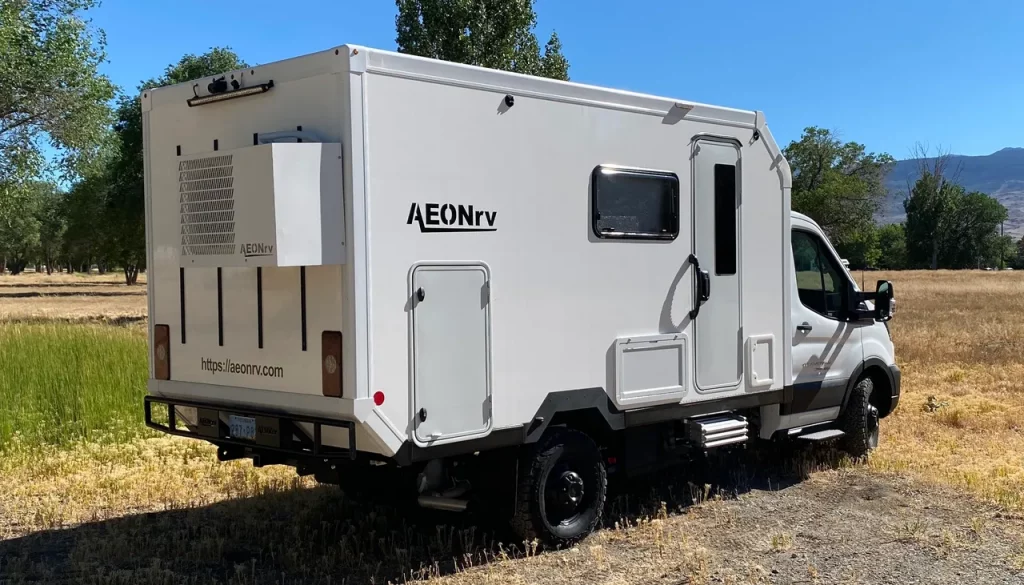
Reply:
x=131, y=274
x=935, y=254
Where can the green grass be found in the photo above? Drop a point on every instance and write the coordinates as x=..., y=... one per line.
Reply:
x=65, y=382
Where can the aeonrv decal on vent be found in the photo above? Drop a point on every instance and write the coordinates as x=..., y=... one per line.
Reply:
x=207, y=196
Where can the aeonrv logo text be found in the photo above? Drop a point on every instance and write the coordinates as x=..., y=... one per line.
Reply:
x=229, y=367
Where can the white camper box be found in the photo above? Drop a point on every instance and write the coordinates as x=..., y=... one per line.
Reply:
x=361, y=257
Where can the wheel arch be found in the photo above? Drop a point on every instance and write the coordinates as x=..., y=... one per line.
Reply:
x=885, y=393
x=588, y=410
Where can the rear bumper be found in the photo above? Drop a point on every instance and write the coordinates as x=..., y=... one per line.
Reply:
x=275, y=433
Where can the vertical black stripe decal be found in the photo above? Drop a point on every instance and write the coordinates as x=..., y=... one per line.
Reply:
x=178, y=150
x=255, y=138
x=220, y=308
x=181, y=290
x=302, y=293
x=216, y=144
x=259, y=305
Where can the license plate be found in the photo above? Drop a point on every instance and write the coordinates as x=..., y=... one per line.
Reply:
x=242, y=427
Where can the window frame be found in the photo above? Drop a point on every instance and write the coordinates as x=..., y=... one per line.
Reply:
x=595, y=211
x=824, y=252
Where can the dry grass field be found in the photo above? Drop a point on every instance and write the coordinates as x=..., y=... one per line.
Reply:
x=71, y=297
x=941, y=501
x=960, y=341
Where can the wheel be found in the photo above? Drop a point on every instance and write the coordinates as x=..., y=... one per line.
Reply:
x=860, y=421
x=561, y=490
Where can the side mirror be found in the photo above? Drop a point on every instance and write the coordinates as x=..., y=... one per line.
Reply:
x=885, y=304
x=882, y=299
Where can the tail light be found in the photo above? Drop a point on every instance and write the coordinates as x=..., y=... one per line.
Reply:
x=331, y=363
x=162, y=352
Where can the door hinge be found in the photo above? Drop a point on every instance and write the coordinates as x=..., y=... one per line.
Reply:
x=423, y=414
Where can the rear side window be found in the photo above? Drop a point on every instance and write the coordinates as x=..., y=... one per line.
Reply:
x=635, y=204
x=725, y=219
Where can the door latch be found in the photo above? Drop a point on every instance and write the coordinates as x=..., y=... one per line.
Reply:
x=423, y=414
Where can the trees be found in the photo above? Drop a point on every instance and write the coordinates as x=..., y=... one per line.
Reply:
x=52, y=226
x=839, y=185
x=50, y=86
x=892, y=247
x=948, y=227
x=51, y=95
x=490, y=33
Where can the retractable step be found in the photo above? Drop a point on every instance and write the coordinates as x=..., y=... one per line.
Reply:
x=822, y=435
x=717, y=430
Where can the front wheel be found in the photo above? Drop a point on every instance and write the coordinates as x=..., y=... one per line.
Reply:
x=860, y=421
x=561, y=490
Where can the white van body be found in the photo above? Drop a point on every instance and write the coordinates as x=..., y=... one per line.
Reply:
x=468, y=236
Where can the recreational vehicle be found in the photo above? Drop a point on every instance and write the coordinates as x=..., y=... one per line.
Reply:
x=463, y=285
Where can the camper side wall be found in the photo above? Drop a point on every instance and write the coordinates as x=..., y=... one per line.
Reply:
x=459, y=175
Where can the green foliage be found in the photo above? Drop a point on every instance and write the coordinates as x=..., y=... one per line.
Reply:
x=84, y=205
x=892, y=244
x=489, y=33
x=1017, y=261
x=948, y=227
x=1000, y=251
x=19, y=232
x=861, y=248
x=839, y=185
x=50, y=86
x=62, y=382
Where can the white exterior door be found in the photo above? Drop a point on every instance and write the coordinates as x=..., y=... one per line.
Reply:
x=826, y=350
x=716, y=216
x=451, y=352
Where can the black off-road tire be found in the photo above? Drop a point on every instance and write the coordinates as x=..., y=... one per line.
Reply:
x=562, y=451
x=860, y=421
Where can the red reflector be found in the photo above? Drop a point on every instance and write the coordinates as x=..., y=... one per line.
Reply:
x=612, y=461
x=162, y=352
x=331, y=363
x=378, y=398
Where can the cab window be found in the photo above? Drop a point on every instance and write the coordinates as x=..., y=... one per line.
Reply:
x=819, y=279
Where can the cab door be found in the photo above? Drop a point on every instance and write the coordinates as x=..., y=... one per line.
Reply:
x=826, y=350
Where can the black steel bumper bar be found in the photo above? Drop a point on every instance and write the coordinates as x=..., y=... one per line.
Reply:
x=275, y=433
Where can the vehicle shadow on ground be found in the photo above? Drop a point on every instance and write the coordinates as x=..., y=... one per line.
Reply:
x=319, y=536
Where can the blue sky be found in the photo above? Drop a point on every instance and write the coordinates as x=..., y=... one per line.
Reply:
x=887, y=74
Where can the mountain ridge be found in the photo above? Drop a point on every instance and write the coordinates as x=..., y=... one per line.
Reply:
x=1000, y=174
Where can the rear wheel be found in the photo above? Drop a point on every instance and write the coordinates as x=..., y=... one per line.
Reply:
x=860, y=421
x=561, y=490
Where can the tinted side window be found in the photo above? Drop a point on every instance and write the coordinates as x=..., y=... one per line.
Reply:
x=635, y=204
x=819, y=279
x=725, y=219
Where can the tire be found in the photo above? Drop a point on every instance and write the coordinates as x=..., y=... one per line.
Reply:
x=561, y=490
x=860, y=421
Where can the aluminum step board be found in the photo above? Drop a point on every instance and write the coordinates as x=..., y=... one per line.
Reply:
x=717, y=430
x=822, y=435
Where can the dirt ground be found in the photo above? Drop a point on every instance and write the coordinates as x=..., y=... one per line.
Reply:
x=741, y=521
